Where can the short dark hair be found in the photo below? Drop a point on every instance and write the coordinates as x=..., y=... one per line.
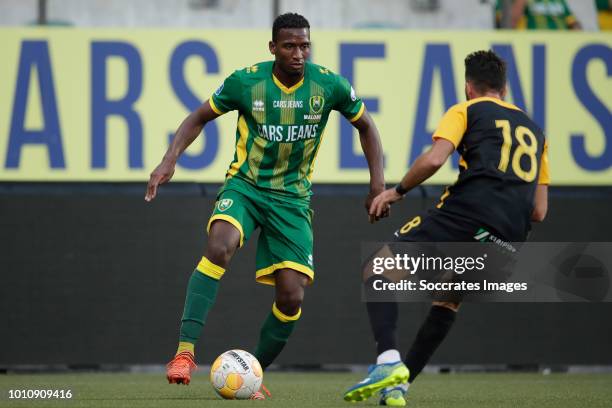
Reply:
x=288, y=20
x=486, y=71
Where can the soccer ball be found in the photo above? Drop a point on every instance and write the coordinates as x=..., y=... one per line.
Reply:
x=236, y=374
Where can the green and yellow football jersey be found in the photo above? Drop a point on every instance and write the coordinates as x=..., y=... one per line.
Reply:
x=280, y=129
x=543, y=15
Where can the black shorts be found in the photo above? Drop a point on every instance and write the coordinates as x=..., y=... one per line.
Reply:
x=439, y=227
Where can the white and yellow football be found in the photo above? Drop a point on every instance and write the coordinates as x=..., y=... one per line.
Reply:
x=236, y=374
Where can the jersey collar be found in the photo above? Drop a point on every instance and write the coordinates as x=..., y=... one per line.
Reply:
x=493, y=99
x=286, y=90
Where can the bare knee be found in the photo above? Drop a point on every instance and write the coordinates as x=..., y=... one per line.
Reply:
x=223, y=241
x=449, y=305
x=289, y=301
x=289, y=291
x=219, y=253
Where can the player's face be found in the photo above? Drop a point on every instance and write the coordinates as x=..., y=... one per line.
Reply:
x=291, y=50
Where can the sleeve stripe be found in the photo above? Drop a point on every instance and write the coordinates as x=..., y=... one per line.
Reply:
x=359, y=114
x=218, y=111
x=544, y=170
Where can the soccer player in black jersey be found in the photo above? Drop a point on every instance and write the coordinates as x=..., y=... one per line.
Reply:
x=502, y=187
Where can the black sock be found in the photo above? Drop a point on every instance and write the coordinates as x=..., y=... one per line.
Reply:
x=434, y=329
x=383, y=318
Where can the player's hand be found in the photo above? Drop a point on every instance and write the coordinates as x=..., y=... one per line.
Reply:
x=382, y=203
x=368, y=204
x=162, y=174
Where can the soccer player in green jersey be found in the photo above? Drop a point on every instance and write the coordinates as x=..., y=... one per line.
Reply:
x=539, y=15
x=283, y=107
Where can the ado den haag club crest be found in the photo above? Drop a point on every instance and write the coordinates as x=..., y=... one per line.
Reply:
x=224, y=204
x=316, y=103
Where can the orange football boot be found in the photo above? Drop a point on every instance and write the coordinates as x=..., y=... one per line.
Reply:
x=178, y=371
x=259, y=395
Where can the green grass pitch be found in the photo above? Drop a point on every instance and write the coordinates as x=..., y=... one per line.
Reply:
x=317, y=390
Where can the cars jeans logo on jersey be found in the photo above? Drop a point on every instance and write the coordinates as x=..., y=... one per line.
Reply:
x=258, y=105
x=316, y=103
x=224, y=204
x=288, y=104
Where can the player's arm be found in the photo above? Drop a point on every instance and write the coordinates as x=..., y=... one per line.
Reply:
x=425, y=166
x=540, y=201
x=517, y=12
x=353, y=109
x=187, y=132
x=446, y=139
x=372, y=149
x=226, y=98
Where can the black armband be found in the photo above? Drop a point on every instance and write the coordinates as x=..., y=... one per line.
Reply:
x=400, y=190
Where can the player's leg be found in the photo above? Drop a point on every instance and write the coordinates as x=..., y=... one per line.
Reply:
x=383, y=321
x=229, y=226
x=284, y=259
x=386, y=374
x=286, y=310
x=223, y=241
x=433, y=331
x=382, y=315
x=389, y=372
x=443, y=312
x=202, y=288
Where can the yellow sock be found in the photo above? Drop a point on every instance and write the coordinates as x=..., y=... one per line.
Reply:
x=185, y=346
